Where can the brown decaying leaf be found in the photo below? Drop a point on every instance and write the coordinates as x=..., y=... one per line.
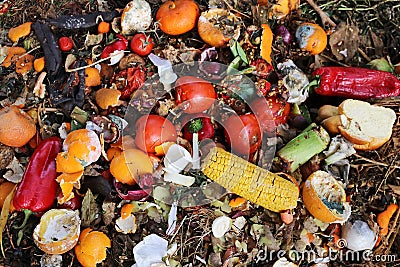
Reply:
x=378, y=43
x=395, y=188
x=90, y=210
x=344, y=42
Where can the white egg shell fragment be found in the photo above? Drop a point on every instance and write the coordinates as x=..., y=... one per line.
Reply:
x=359, y=236
x=221, y=226
x=136, y=17
x=127, y=225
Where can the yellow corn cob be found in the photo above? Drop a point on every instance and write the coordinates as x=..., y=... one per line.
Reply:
x=247, y=180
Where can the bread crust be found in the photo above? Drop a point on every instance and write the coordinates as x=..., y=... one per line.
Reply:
x=351, y=137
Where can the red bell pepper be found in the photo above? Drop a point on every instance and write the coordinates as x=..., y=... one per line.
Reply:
x=38, y=189
x=358, y=83
x=120, y=45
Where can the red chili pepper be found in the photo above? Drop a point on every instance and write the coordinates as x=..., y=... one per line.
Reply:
x=358, y=83
x=119, y=45
x=65, y=44
x=38, y=189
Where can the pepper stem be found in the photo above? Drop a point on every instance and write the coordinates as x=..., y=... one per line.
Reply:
x=314, y=83
x=195, y=125
x=27, y=214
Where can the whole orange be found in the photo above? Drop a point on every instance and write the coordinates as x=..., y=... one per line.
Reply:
x=311, y=37
x=178, y=17
x=16, y=127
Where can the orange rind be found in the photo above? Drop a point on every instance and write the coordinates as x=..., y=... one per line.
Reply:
x=24, y=64
x=127, y=167
x=16, y=127
x=12, y=54
x=209, y=30
x=20, y=31
x=38, y=64
x=84, y=145
x=107, y=97
x=266, y=43
x=325, y=198
x=92, y=77
x=58, y=231
x=67, y=183
x=92, y=247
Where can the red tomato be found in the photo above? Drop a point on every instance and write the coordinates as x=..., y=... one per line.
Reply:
x=243, y=133
x=194, y=93
x=153, y=130
x=278, y=109
x=142, y=44
x=65, y=44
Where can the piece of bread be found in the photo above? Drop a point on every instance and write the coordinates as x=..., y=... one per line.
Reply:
x=365, y=125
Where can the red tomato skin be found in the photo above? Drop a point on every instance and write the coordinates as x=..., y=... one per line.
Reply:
x=65, y=43
x=243, y=133
x=195, y=94
x=278, y=111
x=153, y=130
x=142, y=44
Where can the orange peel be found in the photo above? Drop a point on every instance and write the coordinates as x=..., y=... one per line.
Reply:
x=283, y=8
x=127, y=167
x=24, y=64
x=84, y=145
x=58, y=231
x=13, y=53
x=20, y=31
x=126, y=210
x=325, y=198
x=67, y=163
x=16, y=127
x=92, y=247
x=38, y=64
x=266, y=43
x=107, y=97
x=92, y=77
x=67, y=183
x=210, y=33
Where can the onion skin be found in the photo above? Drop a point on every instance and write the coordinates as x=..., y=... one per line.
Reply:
x=283, y=32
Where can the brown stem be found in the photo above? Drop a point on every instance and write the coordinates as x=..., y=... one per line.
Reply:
x=325, y=19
